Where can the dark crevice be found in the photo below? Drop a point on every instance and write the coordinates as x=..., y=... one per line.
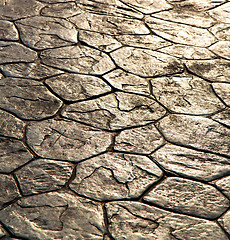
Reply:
x=175, y=211
x=18, y=184
x=7, y=204
x=216, y=6
x=199, y=149
x=155, y=34
x=147, y=203
x=132, y=6
x=55, y=94
x=196, y=75
x=110, y=148
x=2, y=72
x=159, y=207
x=219, y=111
x=83, y=196
x=26, y=120
x=227, y=234
x=207, y=115
x=10, y=232
x=75, y=161
x=190, y=146
x=221, y=123
x=15, y=62
x=43, y=192
x=217, y=55
x=29, y=148
x=106, y=222
x=23, y=165
x=42, y=79
x=20, y=38
x=72, y=177
x=153, y=76
x=9, y=137
x=68, y=102
x=213, y=90
x=181, y=23
x=117, y=130
x=219, y=188
x=151, y=187
x=166, y=172
x=130, y=152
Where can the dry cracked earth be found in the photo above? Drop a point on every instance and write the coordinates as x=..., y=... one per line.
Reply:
x=115, y=119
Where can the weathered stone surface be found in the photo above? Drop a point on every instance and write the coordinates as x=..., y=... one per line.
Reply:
x=225, y=221
x=149, y=6
x=189, y=197
x=33, y=70
x=54, y=1
x=8, y=31
x=66, y=140
x=221, y=31
x=8, y=190
x=103, y=42
x=223, y=117
x=127, y=82
x=223, y=91
x=188, y=52
x=2, y=232
x=75, y=87
x=133, y=227
x=114, y=101
x=213, y=70
x=187, y=16
x=44, y=32
x=15, y=52
x=201, y=231
x=190, y=163
x=109, y=43
x=13, y=154
x=43, y=175
x=115, y=111
x=198, y=132
x=115, y=176
x=64, y=9
x=145, y=62
x=79, y=59
x=200, y=5
x=28, y=99
x=109, y=24
x=9, y=238
x=143, y=41
x=109, y=8
x=11, y=126
x=221, y=13
x=134, y=220
x=224, y=185
x=14, y=9
x=178, y=33
x=54, y=216
x=186, y=93
x=221, y=49
x=139, y=140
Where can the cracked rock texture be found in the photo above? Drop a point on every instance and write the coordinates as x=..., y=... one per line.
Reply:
x=115, y=176
x=115, y=120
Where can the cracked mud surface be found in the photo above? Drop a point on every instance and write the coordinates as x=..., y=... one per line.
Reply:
x=115, y=119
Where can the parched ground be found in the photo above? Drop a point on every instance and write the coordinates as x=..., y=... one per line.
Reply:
x=115, y=119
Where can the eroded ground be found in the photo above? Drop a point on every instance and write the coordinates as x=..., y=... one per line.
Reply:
x=115, y=119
